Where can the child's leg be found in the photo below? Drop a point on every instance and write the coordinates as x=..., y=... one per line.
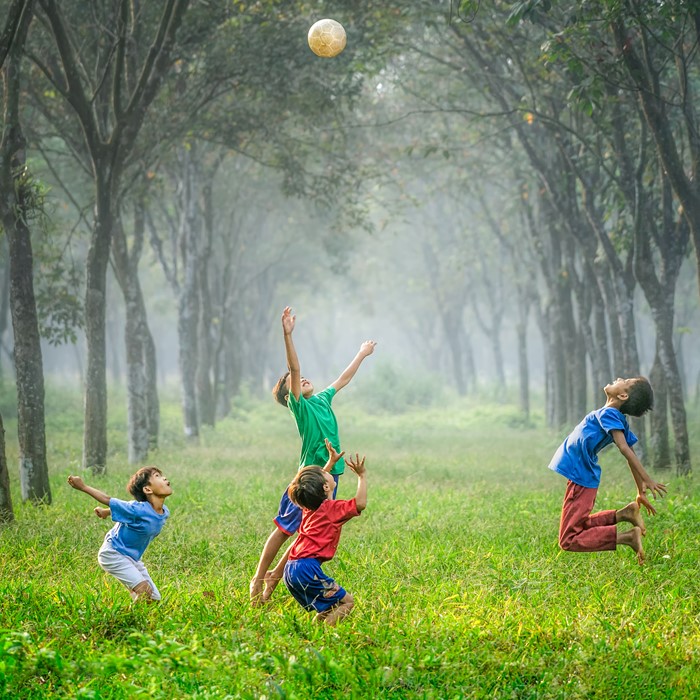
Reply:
x=633, y=538
x=336, y=613
x=273, y=577
x=154, y=593
x=287, y=522
x=129, y=572
x=273, y=545
x=579, y=531
x=631, y=513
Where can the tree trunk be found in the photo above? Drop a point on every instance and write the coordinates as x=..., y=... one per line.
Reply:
x=205, y=351
x=95, y=433
x=659, y=447
x=139, y=342
x=663, y=319
x=15, y=212
x=6, y=512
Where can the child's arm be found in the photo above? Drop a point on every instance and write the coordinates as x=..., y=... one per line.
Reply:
x=77, y=483
x=103, y=512
x=367, y=348
x=333, y=456
x=641, y=478
x=288, y=321
x=358, y=466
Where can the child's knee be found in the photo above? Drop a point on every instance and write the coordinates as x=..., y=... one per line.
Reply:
x=566, y=541
x=347, y=601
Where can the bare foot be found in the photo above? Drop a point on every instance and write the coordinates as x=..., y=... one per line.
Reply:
x=633, y=538
x=631, y=513
x=256, y=590
x=102, y=512
x=271, y=581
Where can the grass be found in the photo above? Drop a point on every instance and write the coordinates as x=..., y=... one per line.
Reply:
x=460, y=588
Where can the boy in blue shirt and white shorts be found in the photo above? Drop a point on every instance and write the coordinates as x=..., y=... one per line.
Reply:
x=138, y=522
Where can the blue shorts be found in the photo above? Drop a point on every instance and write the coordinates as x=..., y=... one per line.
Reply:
x=311, y=588
x=288, y=516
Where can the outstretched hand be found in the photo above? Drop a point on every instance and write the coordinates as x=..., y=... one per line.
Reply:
x=288, y=320
x=656, y=488
x=333, y=456
x=357, y=464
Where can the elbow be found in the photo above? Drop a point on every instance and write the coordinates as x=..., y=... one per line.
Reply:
x=360, y=505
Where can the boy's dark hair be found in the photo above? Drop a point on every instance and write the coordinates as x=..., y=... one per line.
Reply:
x=640, y=398
x=280, y=390
x=306, y=490
x=139, y=480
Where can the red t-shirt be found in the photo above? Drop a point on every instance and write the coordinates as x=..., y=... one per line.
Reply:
x=319, y=531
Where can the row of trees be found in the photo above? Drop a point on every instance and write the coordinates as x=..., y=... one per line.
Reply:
x=547, y=153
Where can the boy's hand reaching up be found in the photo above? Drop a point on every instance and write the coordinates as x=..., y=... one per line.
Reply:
x=333, y=456
x=367, y=348
x=288, y=320
x=357, y=464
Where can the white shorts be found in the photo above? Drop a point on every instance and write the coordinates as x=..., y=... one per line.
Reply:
x=125, y=569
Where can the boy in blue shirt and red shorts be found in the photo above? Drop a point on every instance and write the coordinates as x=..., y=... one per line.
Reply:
x=577, y=460
x=316, y=423
x=319, y=533
x=138, y=522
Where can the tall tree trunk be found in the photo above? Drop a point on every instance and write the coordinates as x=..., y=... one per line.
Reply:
x=95, y=433
x=205, y=351
x=15, y=212
x=140, y=356
x=6, y=512
x=659, y=447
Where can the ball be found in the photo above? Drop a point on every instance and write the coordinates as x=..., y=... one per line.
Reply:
x=327, y=38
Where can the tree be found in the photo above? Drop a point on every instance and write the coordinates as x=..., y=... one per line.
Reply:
x=110, y=107
x=18, y=204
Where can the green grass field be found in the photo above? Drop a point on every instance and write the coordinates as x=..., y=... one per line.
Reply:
x=460, y=588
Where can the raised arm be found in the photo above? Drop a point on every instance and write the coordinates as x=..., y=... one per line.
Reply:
x=357, y=464
x=643, y=481
x=366, y=349
x=77, y=483
x=333, y=456
x=288, y=322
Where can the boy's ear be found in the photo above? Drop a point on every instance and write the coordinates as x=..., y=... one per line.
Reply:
x=623, y=396
x=147, y=490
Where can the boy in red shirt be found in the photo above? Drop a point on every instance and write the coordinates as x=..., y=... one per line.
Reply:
x=319, y=533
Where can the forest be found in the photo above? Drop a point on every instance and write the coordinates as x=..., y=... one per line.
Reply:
x=504, y=195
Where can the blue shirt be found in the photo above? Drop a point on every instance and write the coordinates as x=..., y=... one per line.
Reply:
x=577, y=456
x=137, y=525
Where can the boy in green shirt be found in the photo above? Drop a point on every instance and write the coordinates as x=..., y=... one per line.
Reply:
x=315, y=422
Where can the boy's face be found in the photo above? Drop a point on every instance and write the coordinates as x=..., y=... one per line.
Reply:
x=618, y=388
x=329, y=486
x=307, y=388
x=159, y=485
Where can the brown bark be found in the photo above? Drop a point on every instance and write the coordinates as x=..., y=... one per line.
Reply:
x=16, y=203
x=6, y=512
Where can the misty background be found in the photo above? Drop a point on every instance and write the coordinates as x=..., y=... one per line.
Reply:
x=504, y=196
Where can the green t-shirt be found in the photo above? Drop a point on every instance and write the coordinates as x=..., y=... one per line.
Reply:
x=315, y=422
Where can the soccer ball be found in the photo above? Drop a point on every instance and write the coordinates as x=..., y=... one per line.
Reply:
x=326, y=38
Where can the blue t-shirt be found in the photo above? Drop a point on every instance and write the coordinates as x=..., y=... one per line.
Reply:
x=315, y=422
x=577, y=456
x=137, y=525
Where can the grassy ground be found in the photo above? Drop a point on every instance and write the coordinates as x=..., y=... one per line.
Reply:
x=460, y=588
